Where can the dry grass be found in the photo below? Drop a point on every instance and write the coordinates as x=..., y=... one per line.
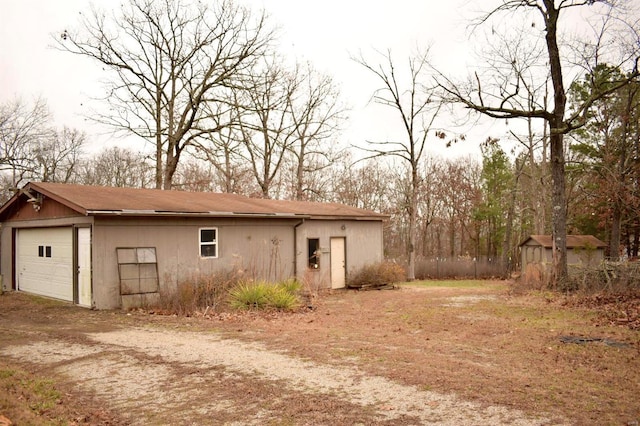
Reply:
x=478, y=340
x=31, y=398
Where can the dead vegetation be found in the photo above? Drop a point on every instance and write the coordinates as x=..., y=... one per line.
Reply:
x=376, y=276
x=481, y=341
x=612, y=290
x=34, y=398
x=616, y=309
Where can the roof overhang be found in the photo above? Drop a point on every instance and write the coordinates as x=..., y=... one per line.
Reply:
x=156, y=213
x=34, y=192
x=379, y=218
x=572, y=241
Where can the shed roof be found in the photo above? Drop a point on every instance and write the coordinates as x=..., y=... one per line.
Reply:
x=573, y=241
x=100, y=200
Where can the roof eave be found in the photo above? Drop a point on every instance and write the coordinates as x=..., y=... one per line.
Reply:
x=30, y=185
x=346, y=217
x=154, y=213
x=77, y=208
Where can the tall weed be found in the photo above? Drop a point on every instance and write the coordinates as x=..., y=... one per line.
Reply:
x=199, y=292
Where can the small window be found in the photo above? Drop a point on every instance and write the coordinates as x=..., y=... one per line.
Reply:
x=44, y=251
x=314, y=253
x=209, y=242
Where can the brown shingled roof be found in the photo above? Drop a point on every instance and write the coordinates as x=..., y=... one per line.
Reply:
x=92, y=200
x=572, y=241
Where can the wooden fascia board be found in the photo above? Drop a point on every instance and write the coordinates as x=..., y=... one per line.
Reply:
x=154, y=213
x=59, y=199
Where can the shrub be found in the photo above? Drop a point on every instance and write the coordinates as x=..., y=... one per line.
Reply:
x=377, y=274
x=249, y=295
x=291, y=285
x=281, y=299
x=261, y=294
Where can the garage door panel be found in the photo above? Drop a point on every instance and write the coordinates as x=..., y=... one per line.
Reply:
x=45, y=262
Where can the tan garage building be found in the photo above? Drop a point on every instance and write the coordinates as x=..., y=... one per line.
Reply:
x=108, y=247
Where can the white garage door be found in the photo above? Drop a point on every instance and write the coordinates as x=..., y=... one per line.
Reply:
x=44, y=262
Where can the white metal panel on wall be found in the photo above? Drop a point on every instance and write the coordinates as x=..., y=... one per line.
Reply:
x=44, y=262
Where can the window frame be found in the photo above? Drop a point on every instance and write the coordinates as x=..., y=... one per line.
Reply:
x=215, y=243
x=313, y=266
x=138, y=270
x=44, y=251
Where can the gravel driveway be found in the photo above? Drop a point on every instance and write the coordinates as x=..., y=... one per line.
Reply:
x=154, y=375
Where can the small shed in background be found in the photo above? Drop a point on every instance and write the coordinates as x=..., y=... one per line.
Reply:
x=583, y=250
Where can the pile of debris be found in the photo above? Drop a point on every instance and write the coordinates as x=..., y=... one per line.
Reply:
x=371, y=286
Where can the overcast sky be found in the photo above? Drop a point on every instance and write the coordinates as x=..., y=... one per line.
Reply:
x=326, y=33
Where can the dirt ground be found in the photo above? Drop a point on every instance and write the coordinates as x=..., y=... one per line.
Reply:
x=471, y=355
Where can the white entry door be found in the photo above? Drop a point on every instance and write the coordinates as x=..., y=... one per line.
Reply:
x=338, y=262
x=84, y=266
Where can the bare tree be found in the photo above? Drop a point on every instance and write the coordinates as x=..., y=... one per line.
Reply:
x=168, y=59
x=57, y=157
x=22, y=126
x=429, y=203
x=316, y=113
x=500, y=94
x=264, y=120
x=195, y=176
x=224, y=149
x=365, y=185
x=31, y=148
x=118, y=167
x=416, y=110
x=460, y=194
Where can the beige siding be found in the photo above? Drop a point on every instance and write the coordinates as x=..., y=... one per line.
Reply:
x=585, y=257
x=258, y=248
x=363, y=246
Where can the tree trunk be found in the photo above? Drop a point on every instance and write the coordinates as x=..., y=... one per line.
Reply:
x=228, y=184
x=158, y=122
x=614, y=238
x=556, y=130
x=508, y=231
x=411, y=269
x=558, y=210
x=413, y=209
x=300, y=172
x=452, y=239
x=169, y=171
